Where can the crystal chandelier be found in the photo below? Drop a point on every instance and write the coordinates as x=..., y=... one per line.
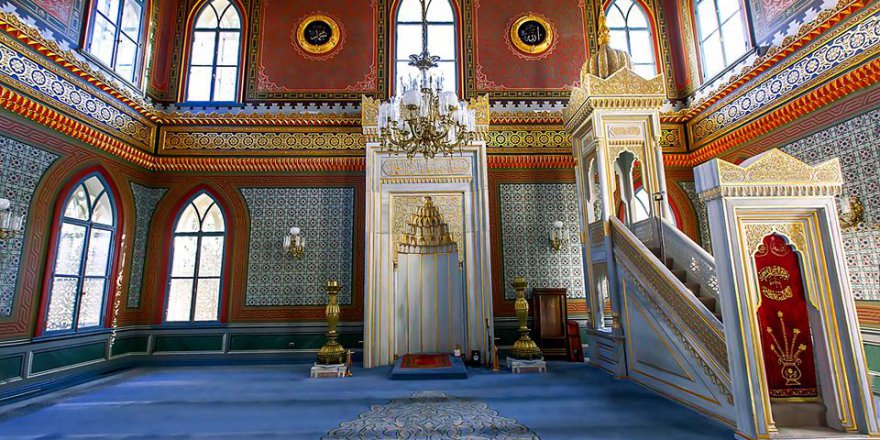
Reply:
x=423, y=119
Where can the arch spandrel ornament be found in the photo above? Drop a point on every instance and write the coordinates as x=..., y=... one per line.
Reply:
x=795, y=233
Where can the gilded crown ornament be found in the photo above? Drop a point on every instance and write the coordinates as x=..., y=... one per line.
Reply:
x=607, y=60
x=788, y=354
x=424, y=119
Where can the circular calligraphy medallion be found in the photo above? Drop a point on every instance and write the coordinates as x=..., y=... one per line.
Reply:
x=318, y=34
x=531, y=34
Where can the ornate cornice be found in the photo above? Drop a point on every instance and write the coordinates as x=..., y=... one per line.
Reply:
x=42, y=114
x=33, y=38
x=857, y=79
x=280, y=119
x=622, y=89
x=260, y=165
x=188, y=140
x=807, y=34
x=543, y=162
x=528, y=118
x=771, y=174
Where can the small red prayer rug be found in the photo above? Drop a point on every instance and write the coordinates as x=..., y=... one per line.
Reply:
x=425, y=361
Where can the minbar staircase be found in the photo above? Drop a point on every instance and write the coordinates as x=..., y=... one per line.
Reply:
x=707, y=299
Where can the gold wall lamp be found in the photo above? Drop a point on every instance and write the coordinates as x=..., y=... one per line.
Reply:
x=294, y=243
x=558, y=236
x=10, y=223
x=851, y=211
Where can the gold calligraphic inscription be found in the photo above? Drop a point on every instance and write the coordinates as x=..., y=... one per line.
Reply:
x=624, y=132
x=532, y=34
x=318, y=34
x=788, y=354
x=439, y=166
x=775, y=276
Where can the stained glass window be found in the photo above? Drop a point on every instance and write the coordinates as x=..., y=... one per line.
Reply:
x=196, y=262
x=631, y=31
x=722, y=31
x=115, y=35
x=215, y=53
x=441, y=40
x=83, y=258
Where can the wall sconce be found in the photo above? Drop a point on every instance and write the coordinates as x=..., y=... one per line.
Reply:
x=10, y=223
x=558, y=236
x=294, y=243
x=851, y=211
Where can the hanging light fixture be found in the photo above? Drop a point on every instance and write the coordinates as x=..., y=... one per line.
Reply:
x=423, y=119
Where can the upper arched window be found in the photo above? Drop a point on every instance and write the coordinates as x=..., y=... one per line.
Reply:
x=631, y=31
x=441, y=40
x=115, y=35
x=83, y=258
x=722, y=33
x=215, y=53
x=196, y=262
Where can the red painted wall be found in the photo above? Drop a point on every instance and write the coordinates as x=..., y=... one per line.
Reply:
x=282, y=67
x=499, y=67
x=675, y=36
x=163, y=51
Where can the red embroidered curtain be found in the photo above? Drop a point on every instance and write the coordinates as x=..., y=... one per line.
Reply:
x=786, y=340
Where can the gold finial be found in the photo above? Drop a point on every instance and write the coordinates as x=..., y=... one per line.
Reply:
x=604, y=32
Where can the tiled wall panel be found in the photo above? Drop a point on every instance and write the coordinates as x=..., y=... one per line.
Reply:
x=145, y=200
x=527, y=212
x=326, y=217
x=857, y=143
x=21, y=167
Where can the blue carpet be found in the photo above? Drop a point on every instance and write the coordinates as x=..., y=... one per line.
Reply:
x=570, y=402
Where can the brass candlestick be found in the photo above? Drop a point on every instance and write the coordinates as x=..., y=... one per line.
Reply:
x=332, y=353
x=524, y=348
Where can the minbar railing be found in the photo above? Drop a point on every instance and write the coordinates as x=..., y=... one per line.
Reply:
x=700, y=333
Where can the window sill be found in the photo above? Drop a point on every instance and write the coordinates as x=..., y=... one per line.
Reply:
x=193, y=104
x=106, y=69
x=709, y=83
x=62, y=335
x=183, y=325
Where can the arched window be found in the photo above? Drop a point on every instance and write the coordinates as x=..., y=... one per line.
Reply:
x=631, y=31
x=441, y=39
x=722, y=32
x=215, y=53
x=83, y=256
x=641, y=206
x=115, y=35
x=196, y=262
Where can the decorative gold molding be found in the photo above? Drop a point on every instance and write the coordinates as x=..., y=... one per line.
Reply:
x=773, y=174
x=794, y=232
x=623, y=89
x=451, y=207
x=259, y=139
x=523, y=138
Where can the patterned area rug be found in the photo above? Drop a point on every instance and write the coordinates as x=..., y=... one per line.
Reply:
x=432, y=415
x=426, y=361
